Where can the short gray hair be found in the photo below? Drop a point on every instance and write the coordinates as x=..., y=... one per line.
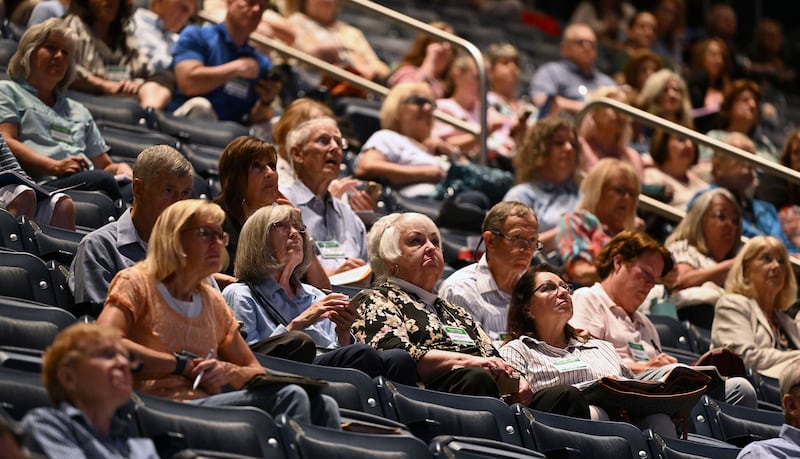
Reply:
x=161, y=160
x=302, y=132
x=384, y=241
x=254, y=260
x=19, y=67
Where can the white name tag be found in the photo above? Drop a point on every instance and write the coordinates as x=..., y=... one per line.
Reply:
x=638, y=352
x=236, y=88
x=568, y=364
x=117, y=73
x=61, y=133
x=459, y=336
x=330, y=249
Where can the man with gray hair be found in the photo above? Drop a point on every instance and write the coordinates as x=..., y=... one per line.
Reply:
x=787, y=445
x=339, y=236
x=161, y=176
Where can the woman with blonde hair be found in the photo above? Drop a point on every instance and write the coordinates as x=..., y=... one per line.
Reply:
x=610, y=193
x=664, y=94
x=751, y=318
x=186, y=336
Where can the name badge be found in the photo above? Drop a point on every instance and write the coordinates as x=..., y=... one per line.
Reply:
x=459, y=336
x=330, y=249
x=117, y=73
x=638, y=352
x=61, y=133
x=568, y=364
x=237, y=88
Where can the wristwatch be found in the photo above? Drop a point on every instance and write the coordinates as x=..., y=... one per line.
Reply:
x=180, y=363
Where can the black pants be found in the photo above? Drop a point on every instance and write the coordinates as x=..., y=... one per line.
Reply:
x=562, y=399
x=466, y=381
x=395, y=364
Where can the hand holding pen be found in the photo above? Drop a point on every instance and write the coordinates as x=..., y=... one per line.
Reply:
x=200, y=375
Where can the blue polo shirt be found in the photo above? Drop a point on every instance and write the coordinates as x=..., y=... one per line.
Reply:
x=212, y=45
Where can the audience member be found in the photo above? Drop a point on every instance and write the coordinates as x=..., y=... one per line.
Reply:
x=106, y=57
x=21, y=199
x=339, y=234
x=161, y=176
x=787, y=445
x=298, y=111
x=428, y=60
x=770, y=63
x=639, y=40
x=156, y=31
x=738, y=177
x=671, y=19
x=567, y=82
x=784, y=194
x=463, y=102
x=540, y=340
x=87, y=374
x=628, y=267
x=751, y=318
x=484, y=288
x=608, y=19
x=169, y=314
x=453, y=353
x=673, y=158
x=610, y=193
x=219, y=75
x=703, y=246
x=53, y=137
x=606, y=133
x=721, y=22
x=708, y=76
x=269, y=299
x=545, y=172
x=403, y=153
x=664, y=94
x=638, y=68
x=319, y=32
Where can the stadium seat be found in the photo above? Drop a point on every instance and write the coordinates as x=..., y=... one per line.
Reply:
x=449, y=447
x=21, y=391
x=735, y=424
x=10, y=233
x=29, y=324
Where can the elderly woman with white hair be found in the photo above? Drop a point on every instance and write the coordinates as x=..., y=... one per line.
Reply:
x=269, y=299
x=452, y=352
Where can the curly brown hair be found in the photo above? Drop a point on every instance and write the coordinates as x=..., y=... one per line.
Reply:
x=531, y=156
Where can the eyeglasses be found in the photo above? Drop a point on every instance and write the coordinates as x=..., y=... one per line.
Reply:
x=325, y=139
x=288, y=226
x=551, y=288
x=624, y=192
x=519, y=242
x=421, y=101
x=767, y=259
x=111, y=353
x=583, y=42
x=209, y=235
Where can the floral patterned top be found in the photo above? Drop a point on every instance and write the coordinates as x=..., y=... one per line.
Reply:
x=392, y=316
x=581, y=235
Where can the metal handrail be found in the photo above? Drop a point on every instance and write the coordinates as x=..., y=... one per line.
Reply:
x=656, y=121
x=376, y=88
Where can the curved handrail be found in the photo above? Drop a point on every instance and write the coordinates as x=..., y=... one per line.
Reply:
x=376, y=88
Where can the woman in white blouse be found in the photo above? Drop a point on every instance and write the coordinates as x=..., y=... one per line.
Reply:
x=547, y=351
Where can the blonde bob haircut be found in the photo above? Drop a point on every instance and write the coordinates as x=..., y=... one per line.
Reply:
x=69, y=347
x=739, y=282
x=691, y=227
x=165, y=253
x=654, y=87
x=254, y=260
x=599, y=176
x=383, y=241
x=19, y=67
x=391, y=104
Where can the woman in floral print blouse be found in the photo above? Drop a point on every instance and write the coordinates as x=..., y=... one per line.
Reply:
x=452, y=352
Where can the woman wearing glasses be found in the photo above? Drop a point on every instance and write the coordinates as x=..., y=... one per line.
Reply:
x=544, y=171
x=547, y=351
x=403, y=152
x=752, y=317
x=172, y=318
x=629, y=266
x=610, y=193
x=269, y=299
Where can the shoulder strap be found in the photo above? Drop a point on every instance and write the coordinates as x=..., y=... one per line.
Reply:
x=273, y=313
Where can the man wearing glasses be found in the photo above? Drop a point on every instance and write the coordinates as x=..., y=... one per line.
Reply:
x=563, y=85
x=788, y=443
x=511, y=236
x=338, y=233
